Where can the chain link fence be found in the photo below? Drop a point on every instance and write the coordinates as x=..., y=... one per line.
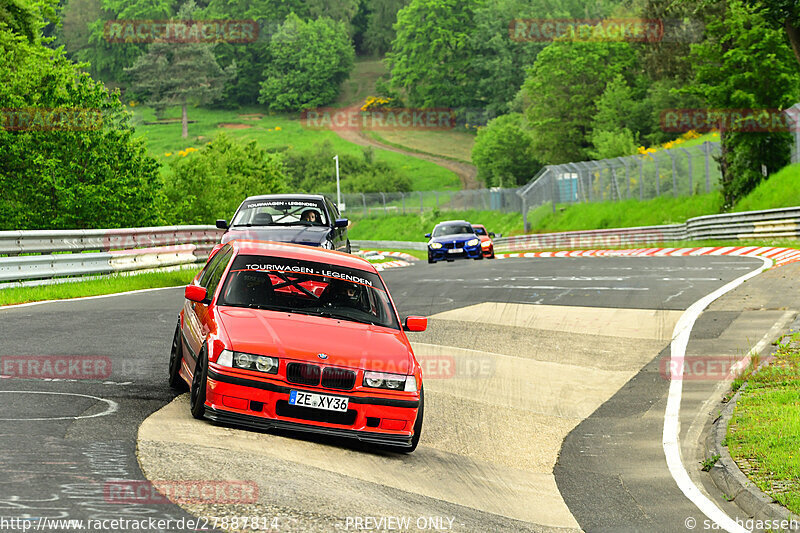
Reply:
x=680, y=171
x=393, y=203
x=672, y=172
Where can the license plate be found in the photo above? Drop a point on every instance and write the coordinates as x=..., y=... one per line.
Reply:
x=455, y=250
x=318, y=401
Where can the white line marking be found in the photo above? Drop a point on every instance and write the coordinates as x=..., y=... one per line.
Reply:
x=112, y=406
x=556, y=288
x=671, y=436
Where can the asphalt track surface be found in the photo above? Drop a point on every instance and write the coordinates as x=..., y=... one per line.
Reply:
x=572, y=347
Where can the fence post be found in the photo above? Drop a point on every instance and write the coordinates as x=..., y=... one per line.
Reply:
x=689, y=163
x=525, y=225
x=658, y=178
x=674, y=177
x=385, y=211
x=364, y=200
x=707, y=150
x=641, y=178
x=421, y=203
x=437, y=199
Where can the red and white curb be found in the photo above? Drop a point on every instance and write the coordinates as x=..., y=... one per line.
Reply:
x=780, y=256
x=403, y=259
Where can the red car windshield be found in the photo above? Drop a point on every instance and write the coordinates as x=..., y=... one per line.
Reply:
x=305, y=287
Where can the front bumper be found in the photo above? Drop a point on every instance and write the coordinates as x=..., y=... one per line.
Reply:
x=442, y=254
x=264, y=405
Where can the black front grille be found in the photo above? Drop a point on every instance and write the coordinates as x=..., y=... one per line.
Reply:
x=338, y=378
x=302, y=373
x=348, y=418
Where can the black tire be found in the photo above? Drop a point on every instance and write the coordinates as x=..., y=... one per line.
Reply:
x=175, y=360
x=430, y=261
x=197, y=394
x=418, y=423
x=492, y=256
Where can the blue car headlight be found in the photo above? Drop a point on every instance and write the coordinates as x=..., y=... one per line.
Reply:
x=473, y=242
x=435, y=245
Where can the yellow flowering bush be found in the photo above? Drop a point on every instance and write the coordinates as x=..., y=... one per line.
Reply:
x=373, y=103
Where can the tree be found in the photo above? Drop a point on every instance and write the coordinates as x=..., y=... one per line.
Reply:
x=745, y=63
x=108, y=60
x=78, y=172
x=783, y=14
x=563, y=88
x=308, y=63
x=615, y=122
x=431, y=54
x=381, y=19
x=171, y=74
x=212, y=182
x=503, y=152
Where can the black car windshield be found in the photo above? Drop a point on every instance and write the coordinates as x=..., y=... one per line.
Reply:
x=305, y=287
x=479, y=230
x=284, y=212
x=452, y=229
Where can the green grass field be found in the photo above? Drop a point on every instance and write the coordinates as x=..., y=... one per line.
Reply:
x=456, y=145
x=271, y=131
x=764, y=432
x=95, y=287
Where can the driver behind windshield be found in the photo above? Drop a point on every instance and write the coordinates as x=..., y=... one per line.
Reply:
x=310, y=215
x=344, y=294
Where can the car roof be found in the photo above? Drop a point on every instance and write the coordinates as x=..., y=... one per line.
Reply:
x=453, y=223
x=286, y=197
x=478, y=226
x=301, y=252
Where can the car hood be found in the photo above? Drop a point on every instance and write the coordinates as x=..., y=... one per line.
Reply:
x=302, y=337
x=309, y=235
x=456, y=237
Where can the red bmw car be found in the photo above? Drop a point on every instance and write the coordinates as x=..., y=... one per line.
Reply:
x=487, y=246
x=293, y=337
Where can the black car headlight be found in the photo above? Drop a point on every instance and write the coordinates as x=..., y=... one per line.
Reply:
x=246, y=361
x=381, y=380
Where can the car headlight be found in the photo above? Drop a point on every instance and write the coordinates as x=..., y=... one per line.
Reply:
x=486, y=244
x=246, y=361
x=379, y=380
x=473, y=242
x=435, y=245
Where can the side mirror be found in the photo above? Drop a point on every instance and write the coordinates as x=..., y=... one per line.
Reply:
x=491, y=234
x=415, y=323
x=341, y=223
x=195, y=293
x=428, y=235
x=222, y=224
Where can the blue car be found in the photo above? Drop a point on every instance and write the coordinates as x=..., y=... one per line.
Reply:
x=451, y=240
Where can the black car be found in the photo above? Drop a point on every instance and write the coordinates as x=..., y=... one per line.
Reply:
x=453, y=239
x=310, y=219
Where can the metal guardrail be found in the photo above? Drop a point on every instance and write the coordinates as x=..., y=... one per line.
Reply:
x=104, y=251
x=782, y=223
